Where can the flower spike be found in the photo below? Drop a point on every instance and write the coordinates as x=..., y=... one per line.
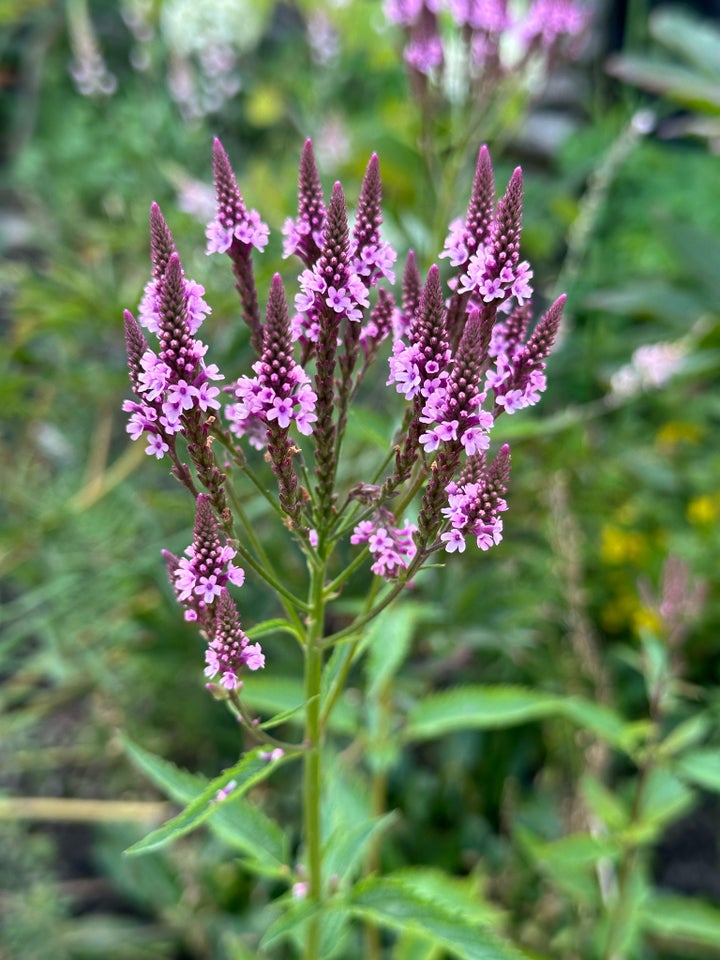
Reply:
x=235, y=231
x=304, y=236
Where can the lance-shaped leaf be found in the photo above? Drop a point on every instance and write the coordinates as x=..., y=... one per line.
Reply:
x=236, y=781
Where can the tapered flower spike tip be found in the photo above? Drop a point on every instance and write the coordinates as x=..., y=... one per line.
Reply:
x=336, y=241
x=481, y=208
x=369, y=213
x=543, y=336
x=506, y=246
x=136, y=345
x=162, y=245
x=231, y=206
x=276, y=331
x=310, y=189
x=411, y=286
x=428, y=322
x=498, y=474
x=172, y=291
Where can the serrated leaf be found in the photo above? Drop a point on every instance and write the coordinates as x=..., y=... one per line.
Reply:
x=251, y=769
x=346, y=846
x=410, y=947
x=179, y=785
x=664, y=799
x=238, y=823
x=246, y=827
x=333, y=918
x=576, y=850
x=571, y=870
x=459, y=894
x=388, y=902
x=289, y=922
x=682, y=918
x=478, y=708
x=701, y=767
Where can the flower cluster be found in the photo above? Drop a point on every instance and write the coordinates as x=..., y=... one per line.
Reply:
x=233, y=224
x=652, y=366
x=391, y=547
x=455, y=355
x=495, y=40
x=173, y=386
x=200, y=580
x=341, y=287
x=464, y=352
x=474, y=505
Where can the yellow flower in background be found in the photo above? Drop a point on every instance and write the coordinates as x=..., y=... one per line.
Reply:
x=619, y=612
x=675, y=432
x=621, y=546
x=643, y=618
x=704, y=510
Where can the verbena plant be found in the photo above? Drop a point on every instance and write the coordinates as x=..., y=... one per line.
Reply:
x=462, y=355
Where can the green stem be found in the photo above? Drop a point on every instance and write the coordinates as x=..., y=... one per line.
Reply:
x=312, y=779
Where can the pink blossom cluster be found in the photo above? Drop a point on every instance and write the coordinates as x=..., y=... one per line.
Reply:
x=347, y=299
x=241, y=225
x=471, y=513
x=461, y=357
x=392, y=547
x=200, y=579
x=176, y=381
x=291, y=401
x=546, y=26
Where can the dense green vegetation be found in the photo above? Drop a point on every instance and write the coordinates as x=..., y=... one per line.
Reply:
x=569, y=793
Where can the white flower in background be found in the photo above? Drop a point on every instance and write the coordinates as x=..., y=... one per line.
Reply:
x=651, y=367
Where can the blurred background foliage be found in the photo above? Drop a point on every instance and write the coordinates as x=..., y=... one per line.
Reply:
x=107, y=106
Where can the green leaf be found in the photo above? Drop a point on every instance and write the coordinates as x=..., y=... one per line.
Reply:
x=606, y=805
x=570, y=862
x=477, y=708
x=577, y=850
x=389, y=645
x=664, y=799
x=246, y=827
x=286, y=695
x=410, y=947
x=461, y=894
x=685, y=734
x=682, y=918
x=697, y=41
x=267, y=627
x=604, y=723
x=179, y=785
x=492, y=707
x=237, y=822
x=290, y=922
x=346, y=846
x=390, y=902
x=677, y=83
x=334, y=917
x=251, y=769
x=701, y=767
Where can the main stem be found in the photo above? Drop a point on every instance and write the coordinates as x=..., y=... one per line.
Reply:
x=312, y=782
